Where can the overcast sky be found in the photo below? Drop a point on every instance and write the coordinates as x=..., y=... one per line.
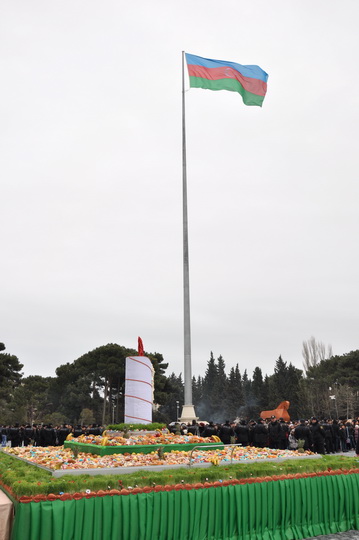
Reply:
x=91, y=180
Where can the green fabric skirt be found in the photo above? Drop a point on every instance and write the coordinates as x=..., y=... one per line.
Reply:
x=136, y=448
x=278, y=510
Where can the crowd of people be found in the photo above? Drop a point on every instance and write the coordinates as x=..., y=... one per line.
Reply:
x=323, y=437
x=43, y=435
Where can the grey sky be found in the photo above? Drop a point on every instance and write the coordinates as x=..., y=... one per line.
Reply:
x=90, y=180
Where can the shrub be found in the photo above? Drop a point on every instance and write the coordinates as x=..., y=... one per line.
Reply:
x=134, y=427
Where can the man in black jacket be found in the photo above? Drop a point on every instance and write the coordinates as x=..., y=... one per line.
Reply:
x=226, y=432
x=260, y=434
x=318, y=436
x=336, y=436
x=274, y=432
x=242, y=433
x=48, y=435
x=210, y=430
x=193, y=428
x=37, y=435
x=328, y=432
x=15, y=435
x=303, y=432
x=3, y=434
x=28, y=435
x=78, y=431
x=62, y=433
x=283, y=435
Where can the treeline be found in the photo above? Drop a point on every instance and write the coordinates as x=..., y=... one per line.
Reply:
x=219, y=396
x=91, y=389
x=88, y=390
x=328, y=388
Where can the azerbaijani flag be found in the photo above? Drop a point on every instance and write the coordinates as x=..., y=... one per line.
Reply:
x=249, y=81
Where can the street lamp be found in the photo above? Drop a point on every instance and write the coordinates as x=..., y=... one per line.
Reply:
x=177, y=407
x=331, y=397
x=336, y=397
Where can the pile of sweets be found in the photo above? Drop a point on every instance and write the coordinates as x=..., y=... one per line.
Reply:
x=143, y=439
x=55, y=457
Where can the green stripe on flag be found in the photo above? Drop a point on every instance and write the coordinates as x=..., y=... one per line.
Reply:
x=227, y=84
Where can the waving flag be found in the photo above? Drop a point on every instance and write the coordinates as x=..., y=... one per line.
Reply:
x=249, y=81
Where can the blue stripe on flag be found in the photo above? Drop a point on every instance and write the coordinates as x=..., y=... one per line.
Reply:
x=253, y=72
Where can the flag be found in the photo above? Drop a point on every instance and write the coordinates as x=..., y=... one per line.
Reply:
x=249, y=81
x=140, y=347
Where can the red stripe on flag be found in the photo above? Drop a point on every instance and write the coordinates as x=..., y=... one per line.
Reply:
x=255, y=86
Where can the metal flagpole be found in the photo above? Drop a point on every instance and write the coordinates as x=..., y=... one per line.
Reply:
x=188, y=413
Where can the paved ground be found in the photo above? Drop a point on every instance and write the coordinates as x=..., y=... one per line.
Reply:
x=351, y=453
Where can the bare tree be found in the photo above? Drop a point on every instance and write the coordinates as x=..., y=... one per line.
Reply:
x=347, y=400
x=314, y=352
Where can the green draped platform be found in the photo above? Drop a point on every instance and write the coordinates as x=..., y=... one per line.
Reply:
x=278, y=510
x=135, y=448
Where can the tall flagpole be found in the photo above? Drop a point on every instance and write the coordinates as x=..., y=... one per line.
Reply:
x=188, y=413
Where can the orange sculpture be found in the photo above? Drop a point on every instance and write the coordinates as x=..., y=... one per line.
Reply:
x=280, y=412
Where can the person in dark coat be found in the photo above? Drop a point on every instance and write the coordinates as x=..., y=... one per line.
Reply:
x=242, y=433
x=14, y=435
x=62, y=433
x=193, y=428
x=260, y=434
x=328, y=432
x=283, y=435
x=251, y=425
x=342, y=436
x=37, y=435
x=78, y=431
x=274, y=432
x=41, y=430
x=29, y=433
x=210, y=430
x=303, y=432
x=3, y=433
x=48, y=435
x=336, y=436
x=349, y=436
x=91, y=430
x=318, y=436
x=225, y=432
